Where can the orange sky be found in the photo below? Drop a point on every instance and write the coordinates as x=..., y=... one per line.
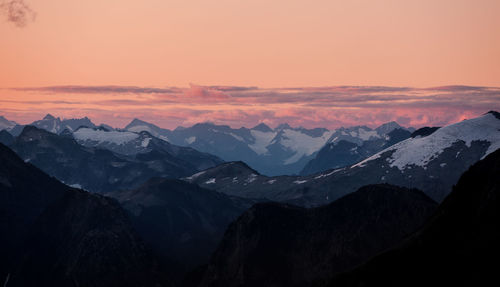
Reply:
x=254, y=42
x=259, y=43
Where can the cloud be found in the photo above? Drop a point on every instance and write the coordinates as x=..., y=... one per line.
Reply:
x=232, y=88
x=457, y=88
x=204, y=94
x=99, y=90
x=17, y=11
x=329, y=107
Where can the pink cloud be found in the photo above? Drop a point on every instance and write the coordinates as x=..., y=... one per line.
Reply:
x=329, y=107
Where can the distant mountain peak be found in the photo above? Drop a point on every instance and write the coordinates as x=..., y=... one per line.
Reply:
x=106, y=127
x=207, y=123
x=136, y=122
x=388, y=127
x=495, y=113
x=283, y=126
x=30, y=133
x=6, y=124
x=49, y=117
x=262, y=127
x=423, y=132
x=33, y=129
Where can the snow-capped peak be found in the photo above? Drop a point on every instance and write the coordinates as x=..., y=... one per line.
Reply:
x=5, y=124
x=137, y=126
x=420, y=150
x=301, y=143
x=283, y=126
x=387, y=128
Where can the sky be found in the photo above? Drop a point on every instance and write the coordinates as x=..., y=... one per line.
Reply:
x=310, y=63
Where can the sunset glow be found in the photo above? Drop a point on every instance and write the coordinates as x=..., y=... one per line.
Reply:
x=244, y=62
x=329, y=107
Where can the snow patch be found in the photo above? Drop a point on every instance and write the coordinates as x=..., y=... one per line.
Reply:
x=365, y=134
x=114, y=137
x=363, y=163
x=251, y=178
x=422, y=150
x=262, y=140
x=145, y=142
x=328, y=174
x=300, y=181
x=143, y=128
x=190, y=140
x=76, y=185
x=302, y=144
x=237, y=137
x=210, y=181
x=195, y=175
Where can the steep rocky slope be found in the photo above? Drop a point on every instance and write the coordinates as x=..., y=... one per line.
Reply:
x=275, y=244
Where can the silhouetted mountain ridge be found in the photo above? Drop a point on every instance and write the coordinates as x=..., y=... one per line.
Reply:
x=457, y=247
x=54, y=235
x=275, y=244
x=182, y=222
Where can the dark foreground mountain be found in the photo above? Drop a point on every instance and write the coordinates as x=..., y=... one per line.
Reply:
x=431, y=163
x=54, y=235
x=100, y=170
x=182, y=222
x=6, y=138
x=457, y=247
x=275, y=244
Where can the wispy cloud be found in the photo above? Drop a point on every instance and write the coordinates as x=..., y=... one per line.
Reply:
x=329, y=107
x=17, y=12
x=98, y=90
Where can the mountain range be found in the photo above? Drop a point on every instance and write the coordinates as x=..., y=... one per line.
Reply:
x=431, y=162
x=164, y=209
x=346, y=151
x=280, y=151
x=101, y=170
x=430, y=159
x=455, y=244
